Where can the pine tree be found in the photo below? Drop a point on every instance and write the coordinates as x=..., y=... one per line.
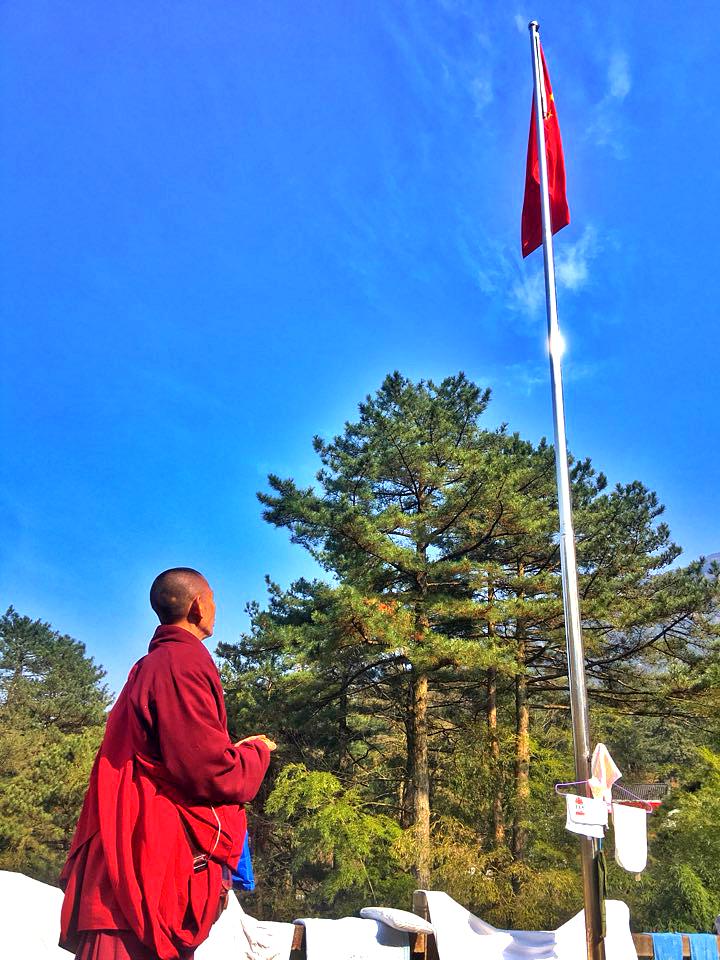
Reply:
x=52, y=705
x=446, y=607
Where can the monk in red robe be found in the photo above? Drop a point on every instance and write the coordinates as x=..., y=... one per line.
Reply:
x=163, y=817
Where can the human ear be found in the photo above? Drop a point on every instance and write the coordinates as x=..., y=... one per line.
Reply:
x=195, y=613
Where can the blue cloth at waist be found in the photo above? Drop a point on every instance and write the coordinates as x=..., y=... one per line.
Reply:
x=243, y=876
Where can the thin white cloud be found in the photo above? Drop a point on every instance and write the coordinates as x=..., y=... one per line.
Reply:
x=527, y=294
x=432, y=57
x=524, y=378
x=521, y=22
x=605, y=127
x=501, y=274
x=486, y=280
x=572, y=264
x=619, y=80
x=482, y=93
x=531, y=377
x=572, y=272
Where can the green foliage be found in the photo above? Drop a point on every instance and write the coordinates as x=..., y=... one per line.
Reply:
x=46, y=678
x=682, y=888
x=52, y=705
x=440, y=540
x=338, y=852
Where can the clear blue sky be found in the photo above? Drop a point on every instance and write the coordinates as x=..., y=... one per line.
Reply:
x=223, y=223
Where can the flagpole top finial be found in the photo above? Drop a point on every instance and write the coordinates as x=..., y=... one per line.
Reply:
x=533, y=25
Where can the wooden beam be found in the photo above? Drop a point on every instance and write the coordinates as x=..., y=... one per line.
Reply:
x=420, y=907
x=644, y=946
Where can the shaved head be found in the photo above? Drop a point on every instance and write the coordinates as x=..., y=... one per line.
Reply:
x=173, y=592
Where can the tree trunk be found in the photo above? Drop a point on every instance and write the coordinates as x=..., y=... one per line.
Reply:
x=418, y=741
x=407, y=792
x=522, y=741
x=421, y=780
x=522, y=767
x=498, y=821
x=344, y=760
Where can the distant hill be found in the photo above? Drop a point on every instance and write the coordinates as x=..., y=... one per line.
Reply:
x=709, y=560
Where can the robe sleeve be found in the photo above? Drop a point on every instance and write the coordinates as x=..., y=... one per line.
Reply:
x=194, y=744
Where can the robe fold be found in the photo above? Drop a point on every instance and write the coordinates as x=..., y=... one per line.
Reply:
x=167, y=788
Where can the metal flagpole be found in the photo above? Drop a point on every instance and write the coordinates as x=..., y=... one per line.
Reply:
x=568, y=563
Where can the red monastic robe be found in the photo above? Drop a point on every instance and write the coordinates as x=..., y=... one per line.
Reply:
x=167, y=785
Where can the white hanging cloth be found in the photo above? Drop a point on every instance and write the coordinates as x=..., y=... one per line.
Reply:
x=630, y=825
x=586, y=816
x=604, y=772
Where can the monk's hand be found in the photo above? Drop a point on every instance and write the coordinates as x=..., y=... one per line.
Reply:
x=270, y=744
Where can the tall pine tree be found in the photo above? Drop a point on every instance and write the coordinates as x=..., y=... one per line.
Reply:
x=445, y=606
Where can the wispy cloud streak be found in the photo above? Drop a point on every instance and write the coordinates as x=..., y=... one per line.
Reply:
x=521, y=285
x=605, y=127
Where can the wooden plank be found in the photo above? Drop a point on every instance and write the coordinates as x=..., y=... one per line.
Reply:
x=297, y=951
x=298, y=937
x=644, y=947
x=418, y=946
x=420, y=907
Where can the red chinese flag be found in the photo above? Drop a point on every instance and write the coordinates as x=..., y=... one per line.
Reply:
x=531, y=213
